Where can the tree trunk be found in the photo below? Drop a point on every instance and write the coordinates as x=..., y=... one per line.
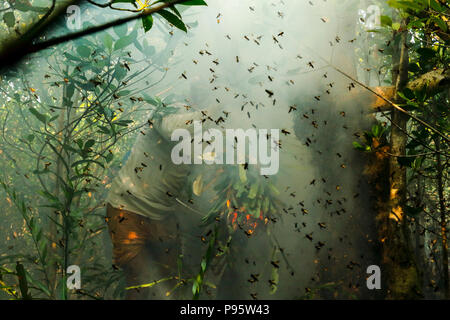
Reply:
x=443, y=221
x=402, y=276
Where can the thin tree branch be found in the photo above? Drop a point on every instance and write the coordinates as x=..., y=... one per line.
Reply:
x=394, y=105
x=18, y=50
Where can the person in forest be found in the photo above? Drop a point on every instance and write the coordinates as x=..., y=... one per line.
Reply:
x=143, y=202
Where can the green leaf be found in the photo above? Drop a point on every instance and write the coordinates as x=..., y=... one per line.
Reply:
x=30, y=137
x=125, y=41
x=416, y=24
x=203, y=264
x=119, y=72
x=149, y=99
x=71, y=57
x=358, y=146
x=273, y=189
x=253, y=191
x=147, y=23
x=123, y=93
x=406, y=5
x=84, y=51
x=194, y=3
x=23, y=284
x=121, y=30
x=89, y=143
x=108, y=41
x=242, y=174
x=194, y=288
x=377, y=130
x=41, y=117
x=173, y=19
x=396, y=26
x=407, y=94
x=109, y=157
x=275, y=279
x=9, y=19
x=386, y=21
x=436, y=6
x=440, y=23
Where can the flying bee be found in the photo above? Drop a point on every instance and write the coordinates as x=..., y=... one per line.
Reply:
x=275, y=264
x=272, y=283
x=254, y=277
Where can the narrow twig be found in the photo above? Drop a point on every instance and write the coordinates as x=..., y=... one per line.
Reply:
x=25, y=47
x=394, y=105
